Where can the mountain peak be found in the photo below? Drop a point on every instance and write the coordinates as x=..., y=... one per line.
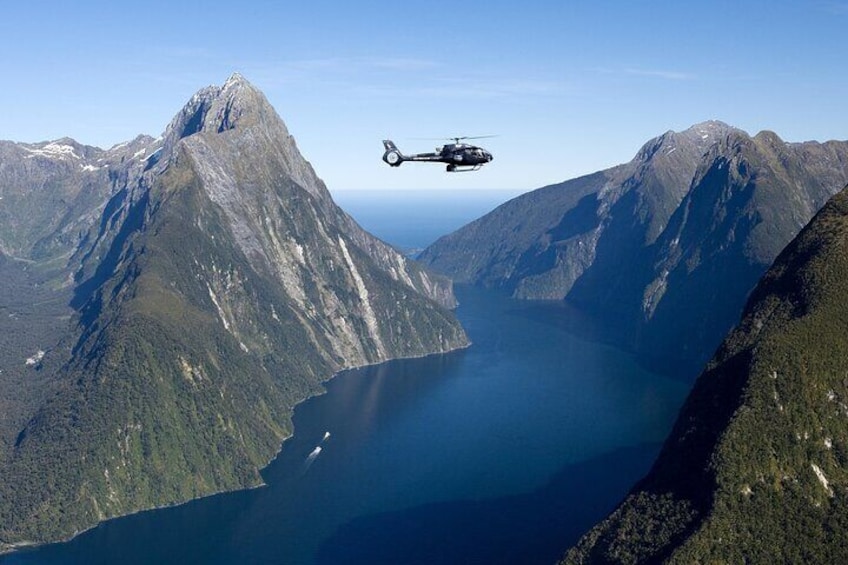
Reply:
x=239, y=89
x=216, y=109
x=710, y=126
x=686, y=146
x=220, y=257
x=236, y=78
x=707, y=133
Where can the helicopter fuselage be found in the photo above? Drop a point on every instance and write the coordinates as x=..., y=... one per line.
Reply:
x=459, y=157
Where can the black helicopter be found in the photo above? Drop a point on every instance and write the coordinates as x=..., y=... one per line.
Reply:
x=460, y=157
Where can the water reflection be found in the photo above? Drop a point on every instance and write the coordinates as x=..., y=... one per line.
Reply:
x=529, y=421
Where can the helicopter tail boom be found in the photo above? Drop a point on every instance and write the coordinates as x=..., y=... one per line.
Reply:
x=392, y=156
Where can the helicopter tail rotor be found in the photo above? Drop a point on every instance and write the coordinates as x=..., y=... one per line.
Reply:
x=392, y=156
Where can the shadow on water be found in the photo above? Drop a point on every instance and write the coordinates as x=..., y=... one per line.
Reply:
x=504, y=452
x=306, y=496
x=568, y=318
x=526, y=528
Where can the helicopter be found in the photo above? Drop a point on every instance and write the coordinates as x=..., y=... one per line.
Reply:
x=460, y=157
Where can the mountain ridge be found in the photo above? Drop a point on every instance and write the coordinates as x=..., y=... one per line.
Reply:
x=661, y=248
x=203, y=283
x=754, y=468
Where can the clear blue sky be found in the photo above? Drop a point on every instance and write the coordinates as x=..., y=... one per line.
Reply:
x=569, y=87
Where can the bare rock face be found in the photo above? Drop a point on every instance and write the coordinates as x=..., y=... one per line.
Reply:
x=665, y=247
x=754, y=468
x=195, y=287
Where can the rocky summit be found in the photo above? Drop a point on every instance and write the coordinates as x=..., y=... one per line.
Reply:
x=665, y=248
x=166, y=302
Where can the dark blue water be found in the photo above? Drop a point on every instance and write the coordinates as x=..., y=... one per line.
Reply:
x=501, y=453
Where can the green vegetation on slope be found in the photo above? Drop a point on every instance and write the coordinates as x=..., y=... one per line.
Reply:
x=187, y=363
x=212, y=284
x=756, y=468
x=663, y=249
x=160, y=404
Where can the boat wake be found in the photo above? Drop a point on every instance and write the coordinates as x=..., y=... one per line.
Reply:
x=310, y=459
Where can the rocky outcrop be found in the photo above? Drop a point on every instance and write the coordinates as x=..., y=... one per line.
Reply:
x=201, y=284
x=664, y=248
x=754, y=469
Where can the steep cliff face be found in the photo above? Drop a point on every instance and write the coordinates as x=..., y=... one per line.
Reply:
x=540, y=243
x=667, y=246
x=212, y=284
x=755, y=467
x=52, y=192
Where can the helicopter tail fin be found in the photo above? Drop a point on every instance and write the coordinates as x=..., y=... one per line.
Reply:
x=392, y=156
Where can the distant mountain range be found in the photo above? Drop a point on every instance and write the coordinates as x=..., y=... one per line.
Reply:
x=166, y=302
x=755, y=469
x=664, y=248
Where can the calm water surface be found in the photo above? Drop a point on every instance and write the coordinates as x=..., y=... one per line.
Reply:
x=413, y=219
x=501, y=453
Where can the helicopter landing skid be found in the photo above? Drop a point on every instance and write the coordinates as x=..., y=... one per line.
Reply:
x=463, y=169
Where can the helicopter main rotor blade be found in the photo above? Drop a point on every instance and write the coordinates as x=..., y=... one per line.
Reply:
x=474, y=137
x=452, y=138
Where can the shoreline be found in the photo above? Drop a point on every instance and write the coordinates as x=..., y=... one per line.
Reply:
x=323, y=391
x=22, y=546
